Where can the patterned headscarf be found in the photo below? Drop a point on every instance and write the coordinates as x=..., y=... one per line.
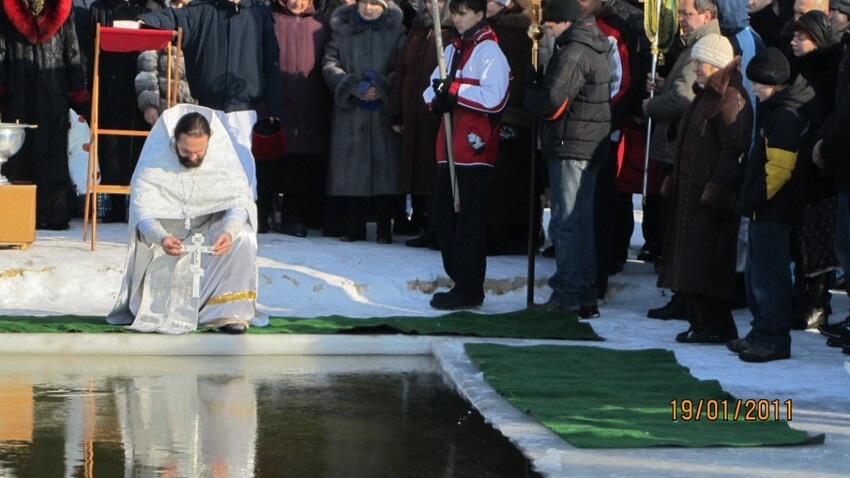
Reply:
x=36, y=6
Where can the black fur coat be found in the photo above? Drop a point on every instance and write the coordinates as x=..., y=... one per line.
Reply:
x=39, y=78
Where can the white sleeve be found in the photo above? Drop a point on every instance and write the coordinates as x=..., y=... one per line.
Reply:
x=233, y=221
x=487, y=89
x=615, y=65
x=152, y=230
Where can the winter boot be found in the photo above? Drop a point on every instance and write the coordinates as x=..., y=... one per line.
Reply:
x=676, y=309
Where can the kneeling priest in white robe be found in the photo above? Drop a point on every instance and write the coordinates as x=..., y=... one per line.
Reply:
x=192, y=246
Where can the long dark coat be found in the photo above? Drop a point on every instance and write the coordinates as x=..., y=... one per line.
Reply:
x=39, y=72
x=365, y=151
x=814, y=235
x=416, y=61
x=508, y=185
x=306, y=98
x=700, y=242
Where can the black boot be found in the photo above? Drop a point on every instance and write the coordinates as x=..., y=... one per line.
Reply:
x=358, y=209
x=676, y=309
x=385, y=235
x=426, y=239
x=384, y=213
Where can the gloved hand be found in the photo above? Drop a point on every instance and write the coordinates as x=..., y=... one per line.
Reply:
x=442, y=102
x=533, y=77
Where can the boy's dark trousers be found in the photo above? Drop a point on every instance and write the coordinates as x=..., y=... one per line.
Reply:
x=463, y=236
x=768, y=282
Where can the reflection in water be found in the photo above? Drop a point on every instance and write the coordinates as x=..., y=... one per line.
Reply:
x=241, y=417
x=203, y=425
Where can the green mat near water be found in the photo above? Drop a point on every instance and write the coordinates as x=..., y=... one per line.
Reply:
x=526, y=324
x=599, y=398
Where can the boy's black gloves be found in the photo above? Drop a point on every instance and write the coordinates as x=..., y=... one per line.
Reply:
x=443, y=102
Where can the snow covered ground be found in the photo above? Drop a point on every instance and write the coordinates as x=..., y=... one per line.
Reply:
x=320, y=276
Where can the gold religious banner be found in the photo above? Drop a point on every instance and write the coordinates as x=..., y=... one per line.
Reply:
x=660, y=20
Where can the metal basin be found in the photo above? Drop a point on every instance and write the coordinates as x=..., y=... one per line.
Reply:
x=11, y=139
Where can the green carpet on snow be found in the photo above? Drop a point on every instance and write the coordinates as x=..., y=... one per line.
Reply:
x=600, y=398
x=526, y=324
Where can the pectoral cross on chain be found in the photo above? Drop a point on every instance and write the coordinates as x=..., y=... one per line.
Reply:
x=196, y=249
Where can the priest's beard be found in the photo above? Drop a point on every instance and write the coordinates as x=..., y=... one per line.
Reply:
x=189, y=164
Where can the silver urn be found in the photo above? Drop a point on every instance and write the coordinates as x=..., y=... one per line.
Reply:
x=11, y=139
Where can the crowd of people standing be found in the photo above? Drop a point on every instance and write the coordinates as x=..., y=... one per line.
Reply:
x=747, y=175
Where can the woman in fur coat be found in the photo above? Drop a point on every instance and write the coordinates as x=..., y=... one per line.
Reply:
x=364, y=154
x=40, y=77
x=700, y=244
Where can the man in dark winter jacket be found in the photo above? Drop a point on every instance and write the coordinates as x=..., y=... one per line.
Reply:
x=612, y=210
x=232, y=65
x=771, y=199
x=572, y=100
x=117, y=155
x=768, y=17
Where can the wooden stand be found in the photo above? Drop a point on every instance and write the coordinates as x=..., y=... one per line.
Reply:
x=17, y=215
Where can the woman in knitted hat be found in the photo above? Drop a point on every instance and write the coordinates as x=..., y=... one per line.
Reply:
x=701, y=237
x=364, y=151
x=771, y=198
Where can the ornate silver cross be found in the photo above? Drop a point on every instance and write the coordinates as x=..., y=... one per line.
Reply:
x=196, y=249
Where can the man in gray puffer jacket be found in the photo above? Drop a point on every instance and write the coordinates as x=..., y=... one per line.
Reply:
x=572, y=100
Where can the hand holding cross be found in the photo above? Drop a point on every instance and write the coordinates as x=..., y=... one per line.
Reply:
x=196, y=249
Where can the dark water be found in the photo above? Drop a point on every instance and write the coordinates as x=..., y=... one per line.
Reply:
x=242, y=417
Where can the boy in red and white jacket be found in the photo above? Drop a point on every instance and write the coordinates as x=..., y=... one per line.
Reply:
x=475, y=91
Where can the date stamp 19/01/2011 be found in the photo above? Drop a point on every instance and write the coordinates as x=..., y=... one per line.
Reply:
x=713, y=409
